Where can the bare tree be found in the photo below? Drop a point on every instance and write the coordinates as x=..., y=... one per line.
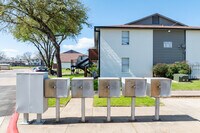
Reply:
x=2, y=55
x=27, y=57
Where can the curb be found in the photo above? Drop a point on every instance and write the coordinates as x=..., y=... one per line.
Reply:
x=12, y=126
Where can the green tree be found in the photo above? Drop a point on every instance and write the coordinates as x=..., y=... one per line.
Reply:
x=57, y=19
x=44, y=46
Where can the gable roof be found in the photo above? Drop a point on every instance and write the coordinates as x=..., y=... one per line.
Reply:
x=156, y=14
x=71, y=51
x=69, y=55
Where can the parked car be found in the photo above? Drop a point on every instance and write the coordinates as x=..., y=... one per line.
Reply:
x=44, y=69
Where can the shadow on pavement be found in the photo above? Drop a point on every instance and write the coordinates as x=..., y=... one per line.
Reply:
x=121, y=119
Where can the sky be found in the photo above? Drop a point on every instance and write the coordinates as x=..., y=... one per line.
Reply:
x=112, y=12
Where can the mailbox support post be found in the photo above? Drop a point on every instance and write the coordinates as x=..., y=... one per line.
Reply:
x=133, y=108
x=108, y=110
x=83, y=109
x=157, y=108
x=25, y=118
x=39, y=119
x=57, y=109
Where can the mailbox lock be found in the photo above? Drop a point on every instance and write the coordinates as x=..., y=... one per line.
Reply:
x=133, y=87
x=54, y=87
x=81, y=87
x=108, y=87
x=159, y=86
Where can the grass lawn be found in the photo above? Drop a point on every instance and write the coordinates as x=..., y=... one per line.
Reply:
x=193, y=85
x=63, y=101
x=21, y=67
x=123, y=102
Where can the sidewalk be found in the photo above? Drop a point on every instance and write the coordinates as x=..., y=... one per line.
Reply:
x=185, y=94
x=177, y=116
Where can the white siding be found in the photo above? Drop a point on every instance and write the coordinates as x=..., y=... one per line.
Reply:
x=66, y=65
x=193, y=51
x=193, y=46
x=139, y=51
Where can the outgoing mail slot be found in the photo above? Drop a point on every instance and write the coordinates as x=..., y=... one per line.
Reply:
x=109, y=87
x=57, y=87
x=134, y=87
x=82, y=88
x=159, y=87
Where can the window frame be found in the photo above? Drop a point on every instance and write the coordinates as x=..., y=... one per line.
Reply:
x=123, y=37
x=124, y=65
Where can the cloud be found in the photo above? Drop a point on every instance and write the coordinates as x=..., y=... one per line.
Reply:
x=10, y=52
x=83, y=45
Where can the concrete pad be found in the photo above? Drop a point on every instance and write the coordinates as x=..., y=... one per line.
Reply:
x=178, y=115
x=1, y=120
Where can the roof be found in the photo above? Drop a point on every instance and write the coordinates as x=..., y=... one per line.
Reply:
x=69, y=55
x=151, y=27
x=71, y=51
x=156, y=14
x=135, y=25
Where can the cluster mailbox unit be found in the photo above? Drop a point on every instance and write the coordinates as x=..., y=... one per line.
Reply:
x=133, y=87
x=109, y=87
x=33, y=89
x=57, y=88
x=30, y=95
x=82, y=88
x=158, y=87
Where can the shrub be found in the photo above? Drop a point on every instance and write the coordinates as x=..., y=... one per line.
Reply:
x=95, y=84
x=160, y=70
x=178, y=67
x=164, y=70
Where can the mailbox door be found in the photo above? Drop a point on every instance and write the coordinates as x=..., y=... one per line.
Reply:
x=129, y=88
x=37, y=101
x=114, y=88
x=62, y=88
x=140, y=88
x=77, y=88
x=88, y=91
x=165, y=88
x=104, y=91
x=155, y=87
x=22, y=94
x=50, y=88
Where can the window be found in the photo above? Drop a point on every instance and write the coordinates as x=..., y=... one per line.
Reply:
x=125, y=64
x=125, y=37
x=167, y=44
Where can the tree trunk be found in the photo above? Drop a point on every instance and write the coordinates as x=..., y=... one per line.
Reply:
x=59, y=67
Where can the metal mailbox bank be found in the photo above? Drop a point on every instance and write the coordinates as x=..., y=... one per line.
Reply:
x=30, y=94
x=108, y=87
x=82, y=88
x=158, y=87
x=57, y=88
x=133, y=87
